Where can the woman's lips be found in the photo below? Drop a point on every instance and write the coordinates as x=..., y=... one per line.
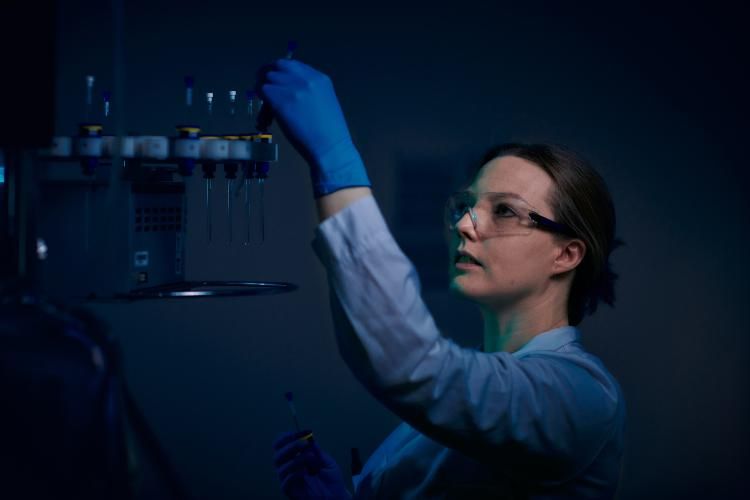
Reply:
x=464, y=258
x=467, y=265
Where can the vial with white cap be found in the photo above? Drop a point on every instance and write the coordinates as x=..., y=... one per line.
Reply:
x=187, y=147
x=89, y=148
x=209, y=112
x=89, y=144
x=234, y=115
x=89, y=98
x=249, y=110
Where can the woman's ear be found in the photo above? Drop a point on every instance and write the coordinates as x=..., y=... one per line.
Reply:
x=570, y=254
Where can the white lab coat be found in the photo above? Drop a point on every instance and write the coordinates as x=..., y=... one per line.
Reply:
x=546, y=421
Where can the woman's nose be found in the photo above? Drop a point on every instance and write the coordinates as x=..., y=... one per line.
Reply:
x=466, y=225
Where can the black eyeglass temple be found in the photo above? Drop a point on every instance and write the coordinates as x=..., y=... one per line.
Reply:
x=551, y=225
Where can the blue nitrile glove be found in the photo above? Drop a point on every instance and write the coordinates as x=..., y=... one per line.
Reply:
x=306, y=107
x=306, y=471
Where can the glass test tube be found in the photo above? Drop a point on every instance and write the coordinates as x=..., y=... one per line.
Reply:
x=250, y=95
x=209, y=110
x=189, y=82
x=230, y=171
x=233, y=108
x=87, y=195
x=247, y=170
x=107, y=97
x=190, y=165
x=89, y=97
x=209, y=168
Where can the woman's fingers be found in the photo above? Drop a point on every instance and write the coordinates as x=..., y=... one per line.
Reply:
x=296, y=465
x=288, y=437
x=280, y=74
x=289, y=452
x=296, y=67
x=275, y=93
x=283, y=78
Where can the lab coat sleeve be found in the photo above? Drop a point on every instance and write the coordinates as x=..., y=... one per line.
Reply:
x=545, y=407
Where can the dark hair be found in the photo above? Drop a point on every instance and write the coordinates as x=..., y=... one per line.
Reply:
x=581, y=200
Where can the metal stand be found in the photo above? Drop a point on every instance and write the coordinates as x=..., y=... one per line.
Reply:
x=190, y=289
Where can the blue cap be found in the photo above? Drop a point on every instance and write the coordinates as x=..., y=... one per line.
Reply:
x=189, y=81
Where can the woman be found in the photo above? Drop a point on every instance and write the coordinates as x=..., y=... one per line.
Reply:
x=531, y=415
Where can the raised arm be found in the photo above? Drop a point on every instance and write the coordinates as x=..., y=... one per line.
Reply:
x=331, y=204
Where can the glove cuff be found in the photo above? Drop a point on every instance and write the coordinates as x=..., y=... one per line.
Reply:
x=340, y=167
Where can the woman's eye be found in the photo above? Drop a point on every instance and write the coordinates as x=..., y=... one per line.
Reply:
x=504, y=210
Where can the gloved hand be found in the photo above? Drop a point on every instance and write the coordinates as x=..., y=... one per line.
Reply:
x=307, y=110
x=306, y=471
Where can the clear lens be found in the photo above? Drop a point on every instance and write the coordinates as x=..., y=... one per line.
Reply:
x=494, y=213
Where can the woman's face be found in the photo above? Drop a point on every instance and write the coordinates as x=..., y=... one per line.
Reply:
x=511, y=267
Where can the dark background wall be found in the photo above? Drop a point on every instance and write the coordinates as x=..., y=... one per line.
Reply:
x=653, y=96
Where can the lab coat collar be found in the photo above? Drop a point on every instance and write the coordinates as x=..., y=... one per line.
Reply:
x=550, y=340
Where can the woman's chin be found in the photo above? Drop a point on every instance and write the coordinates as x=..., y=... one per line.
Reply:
x=459, y=288
x=466, y=288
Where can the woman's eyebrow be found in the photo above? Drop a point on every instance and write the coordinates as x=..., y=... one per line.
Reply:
x=511, y=195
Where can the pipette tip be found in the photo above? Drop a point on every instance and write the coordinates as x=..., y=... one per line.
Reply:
x=291, y=46
x=292, y=410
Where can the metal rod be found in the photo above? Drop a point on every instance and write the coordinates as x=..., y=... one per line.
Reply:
x=248, y=210
x=260, y=229
x=230, y=183
x=209, y=187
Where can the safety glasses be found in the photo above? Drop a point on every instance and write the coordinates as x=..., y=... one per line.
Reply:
x=498, y=214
